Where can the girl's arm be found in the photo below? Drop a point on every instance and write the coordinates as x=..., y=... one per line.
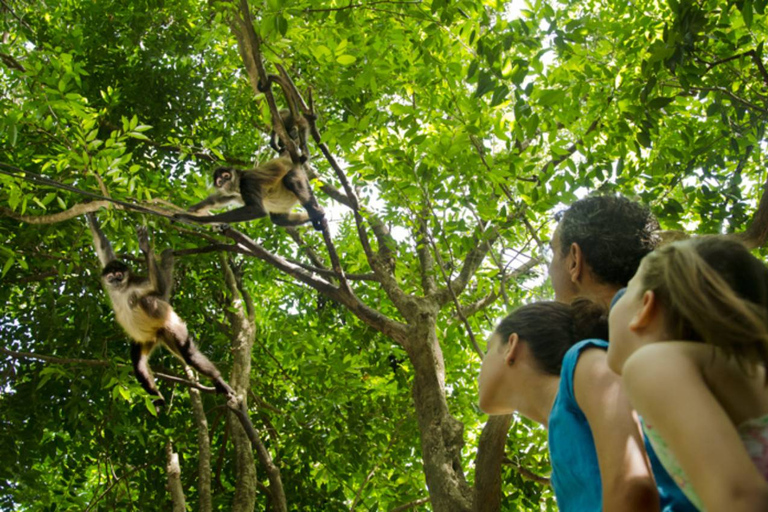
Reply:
x=666, y=385
x=625, y=472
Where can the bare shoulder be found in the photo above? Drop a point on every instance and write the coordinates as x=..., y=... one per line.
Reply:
x=658, y=366
x=593, y=380
x=669, y=356
x=592, y=363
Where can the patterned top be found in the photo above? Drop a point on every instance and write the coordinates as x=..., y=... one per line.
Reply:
x=753, y=433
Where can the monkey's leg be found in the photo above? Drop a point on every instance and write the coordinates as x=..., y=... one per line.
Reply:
x=296, y=181
x=140, y=357
x=180, y=342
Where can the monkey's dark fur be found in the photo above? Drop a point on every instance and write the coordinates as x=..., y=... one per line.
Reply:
x=272, y=188
x=141, y=307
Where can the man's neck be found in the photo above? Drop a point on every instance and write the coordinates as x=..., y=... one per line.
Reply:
x=600, y=293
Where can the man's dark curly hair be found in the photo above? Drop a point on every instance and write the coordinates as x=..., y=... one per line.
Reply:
x=614, y=234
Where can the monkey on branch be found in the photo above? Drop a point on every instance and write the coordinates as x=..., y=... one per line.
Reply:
x=272, y=188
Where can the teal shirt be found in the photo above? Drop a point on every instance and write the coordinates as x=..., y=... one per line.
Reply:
x=575, y=472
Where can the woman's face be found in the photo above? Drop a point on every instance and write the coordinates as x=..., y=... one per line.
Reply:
x=623, y=338
x=494, y=379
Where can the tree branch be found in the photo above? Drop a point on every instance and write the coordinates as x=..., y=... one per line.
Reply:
x=365, y=5
x=203, y=445
x=174, y=479
x=426, y=260
x=119, y=479
x=472, y=262
x=757, y=233
x=75, y=211
x=490, y=454
x=410, y=505
x=382, y=323
x=98, y=362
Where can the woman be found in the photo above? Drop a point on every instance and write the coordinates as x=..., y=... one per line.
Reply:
x=536, y=365
x=690, y=339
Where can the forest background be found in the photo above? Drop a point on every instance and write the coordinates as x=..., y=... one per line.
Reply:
x=448, y=133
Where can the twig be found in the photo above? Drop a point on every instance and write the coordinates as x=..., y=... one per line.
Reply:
x=116, y=480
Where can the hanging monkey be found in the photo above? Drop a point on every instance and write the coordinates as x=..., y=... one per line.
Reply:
x=142, y=309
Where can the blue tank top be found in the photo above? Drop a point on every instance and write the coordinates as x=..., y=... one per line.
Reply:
x=575, y=472
x=671, y=496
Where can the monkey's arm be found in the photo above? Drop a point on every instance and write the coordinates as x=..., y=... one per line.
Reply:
x=100, y=242
x=152, y=268
x=212, y=201
x=247, y=212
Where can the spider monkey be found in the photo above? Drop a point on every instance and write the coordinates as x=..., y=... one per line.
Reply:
x=141, y=307
x=297, y=128
x=273, y=188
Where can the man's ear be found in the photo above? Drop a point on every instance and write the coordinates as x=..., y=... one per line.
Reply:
x=575, y=262
x=512, y=348
x=647, y=312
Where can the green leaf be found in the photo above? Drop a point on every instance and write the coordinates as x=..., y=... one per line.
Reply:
x=644, y=139
x=746, y=13
x=659, y=103
x=346, y=59
x=8, y=265
x=281, y=25
x=485, y=84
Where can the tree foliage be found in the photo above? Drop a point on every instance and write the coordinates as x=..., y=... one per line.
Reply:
x=462, y=127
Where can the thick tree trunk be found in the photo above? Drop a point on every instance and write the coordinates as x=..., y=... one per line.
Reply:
x=441, y=434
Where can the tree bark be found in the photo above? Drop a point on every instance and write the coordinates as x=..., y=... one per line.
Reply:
x=490, y=456
x=441, y=434
x=203, y=446
x=239, y=378
x=174, y=479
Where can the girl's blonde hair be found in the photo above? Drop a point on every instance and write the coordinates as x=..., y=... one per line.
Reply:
x=713, y=290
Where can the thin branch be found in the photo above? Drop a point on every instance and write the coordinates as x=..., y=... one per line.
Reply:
x=527, y=473
x=365, y=5
x=373, y=470
x=11, y=62
x=410, y=505
x=97, y=362
x=721, y=90
x=750, y=53
x=273, y=472
x=426, y=260
x=374, y=318
x=117, y=480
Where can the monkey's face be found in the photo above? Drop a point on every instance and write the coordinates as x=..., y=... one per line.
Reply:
x=116, y=278
x=116, y=274
x=223, y=179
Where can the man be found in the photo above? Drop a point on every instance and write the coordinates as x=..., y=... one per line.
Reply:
x=597, y=248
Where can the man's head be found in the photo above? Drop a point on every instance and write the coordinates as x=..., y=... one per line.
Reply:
x=598, y=246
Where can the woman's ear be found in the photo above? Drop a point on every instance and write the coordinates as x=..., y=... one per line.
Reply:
x=513, y=345
x=647, y=312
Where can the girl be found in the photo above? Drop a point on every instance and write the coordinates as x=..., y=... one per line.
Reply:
x=535, y=366
x=703, y=401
